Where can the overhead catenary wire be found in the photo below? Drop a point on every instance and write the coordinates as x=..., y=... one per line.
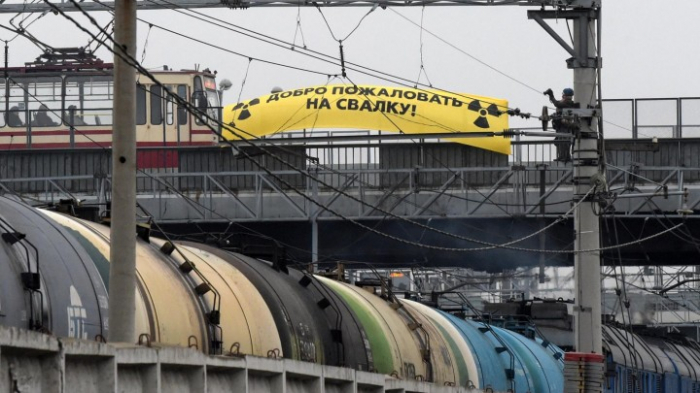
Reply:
x=189, y=200
x=250, y=33
x=233, y=129
x=451, y=45
x=245, y=78
x=330, y=30
x=98, y=144
x=299, y=30
x=145, y=43
x=622, y=295
x=422, y=70
x=368, y=71
x=233, y=52
x=330, y=210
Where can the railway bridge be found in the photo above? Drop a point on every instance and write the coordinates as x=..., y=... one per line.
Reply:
x=364, y=196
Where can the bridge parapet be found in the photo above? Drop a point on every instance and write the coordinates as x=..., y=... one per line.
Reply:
x=422, y=179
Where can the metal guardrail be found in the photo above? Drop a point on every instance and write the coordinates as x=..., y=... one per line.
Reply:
x=367, y=193
x=413, y=179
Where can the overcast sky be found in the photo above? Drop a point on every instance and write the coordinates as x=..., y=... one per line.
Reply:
x=649, y=48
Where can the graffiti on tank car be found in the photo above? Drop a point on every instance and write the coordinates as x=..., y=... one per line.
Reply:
x=307, y=346
x=409, y=370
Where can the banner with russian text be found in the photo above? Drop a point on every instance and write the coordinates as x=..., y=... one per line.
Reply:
x=411, y=111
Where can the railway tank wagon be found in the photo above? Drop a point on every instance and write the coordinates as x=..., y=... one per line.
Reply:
x=49, y=282
x=663, y=364
x=180, y=303
x=313, y=323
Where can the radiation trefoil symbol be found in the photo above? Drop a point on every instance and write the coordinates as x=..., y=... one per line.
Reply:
x=245, y=113
x=482, y=121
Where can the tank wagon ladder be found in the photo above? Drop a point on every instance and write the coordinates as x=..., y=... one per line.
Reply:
x=323, y=303
x=633, y=381
x=510, y=372
x=696, y=357
x=30, y=280
x=529, y=325
x=413, y=324
x=688, y=363
x=694, y=344
x=486, y=328
x=213, y=312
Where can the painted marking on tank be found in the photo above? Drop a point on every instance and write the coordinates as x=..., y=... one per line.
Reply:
x=306, y=341
x=76, y=316
x=102, y=300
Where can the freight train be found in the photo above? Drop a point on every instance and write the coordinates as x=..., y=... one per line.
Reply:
x=54, y=269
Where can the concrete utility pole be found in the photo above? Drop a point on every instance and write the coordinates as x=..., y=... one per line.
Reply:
x=587, y=170
x=587, y=310
x=122, y=270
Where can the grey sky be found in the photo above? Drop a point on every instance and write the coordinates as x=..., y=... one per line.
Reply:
x=649, y=48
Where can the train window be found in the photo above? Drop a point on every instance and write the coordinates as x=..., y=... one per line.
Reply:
x=181, y=110
x=212, y=98
x=16, y=114
x=89, y=99
x=156, y=105
x=169, y=105
x=199, y=97
x=42, y=98
x=3, y=106
x=140, y=104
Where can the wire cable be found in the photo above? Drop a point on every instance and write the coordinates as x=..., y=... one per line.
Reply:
x=230, y=128
x=422, y=70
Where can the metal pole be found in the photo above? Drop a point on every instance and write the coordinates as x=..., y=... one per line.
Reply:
x=543, y=223
x=122, y=270
x=314, y=224
x=587, y=310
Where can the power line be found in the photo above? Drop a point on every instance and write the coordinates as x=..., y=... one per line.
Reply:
x=368, y=71
x=132, y=62
x=151, y=175
x=460, y=50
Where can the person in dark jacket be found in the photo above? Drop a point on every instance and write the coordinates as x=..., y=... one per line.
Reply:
x=563, y=144
x=13, y=119
x=73, y=118
x=42, y=119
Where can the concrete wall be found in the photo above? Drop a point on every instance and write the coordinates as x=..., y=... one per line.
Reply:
x=32, y=362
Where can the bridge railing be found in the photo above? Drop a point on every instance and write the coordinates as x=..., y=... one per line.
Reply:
x=378, y=165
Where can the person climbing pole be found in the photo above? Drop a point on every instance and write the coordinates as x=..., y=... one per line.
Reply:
x=562, y=143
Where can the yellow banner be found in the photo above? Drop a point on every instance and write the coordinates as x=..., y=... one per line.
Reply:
x=406, y=110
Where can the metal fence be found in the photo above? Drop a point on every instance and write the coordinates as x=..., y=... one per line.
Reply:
x=377, y=166
x=652, y=117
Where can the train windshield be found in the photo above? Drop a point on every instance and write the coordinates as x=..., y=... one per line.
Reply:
x=211, y=93
x=206, y=98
